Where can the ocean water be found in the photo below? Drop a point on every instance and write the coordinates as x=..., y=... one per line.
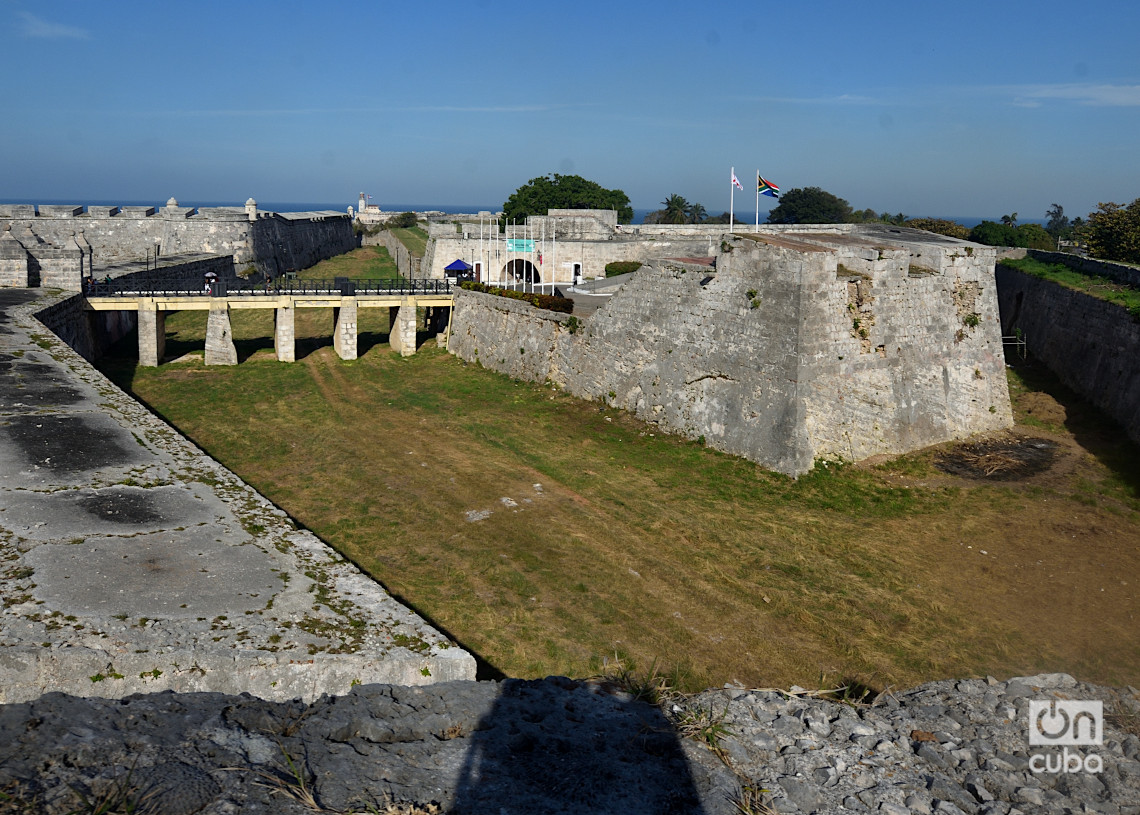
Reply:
x=746, y=217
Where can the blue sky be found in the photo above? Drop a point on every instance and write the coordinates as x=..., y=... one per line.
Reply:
x=967, y=108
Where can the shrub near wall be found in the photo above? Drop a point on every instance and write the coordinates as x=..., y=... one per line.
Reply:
x=622, y=267
x=546, y=301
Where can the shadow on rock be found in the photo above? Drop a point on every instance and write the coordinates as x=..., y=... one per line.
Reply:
x=561, y=746
x=550, y=746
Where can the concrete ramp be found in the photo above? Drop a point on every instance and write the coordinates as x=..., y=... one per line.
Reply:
x=132, y=562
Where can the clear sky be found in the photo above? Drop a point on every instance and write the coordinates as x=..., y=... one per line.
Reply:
x=965, y=108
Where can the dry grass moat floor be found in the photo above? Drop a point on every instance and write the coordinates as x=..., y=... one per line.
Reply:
x=550, y=535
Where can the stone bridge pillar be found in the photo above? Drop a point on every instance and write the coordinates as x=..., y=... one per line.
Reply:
x=220, y=348
x=285, y=332
x=402, y=328
x=344, y=333
x=152, y=334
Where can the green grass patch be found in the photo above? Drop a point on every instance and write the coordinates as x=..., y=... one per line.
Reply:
x=634, y=543
x=414, y=237
x=1097, y=286
x=367, y=262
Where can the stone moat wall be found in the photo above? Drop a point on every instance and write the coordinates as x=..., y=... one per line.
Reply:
x=1093, y=346
x=1129, y=275
x=791, y=351
x=91, y=333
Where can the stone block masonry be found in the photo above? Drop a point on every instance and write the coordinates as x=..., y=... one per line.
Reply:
x=220, y=349
x=1093, y=346
x=799, y=346
x=402, y=328
x=285, y=333
x=1121, y=272
x=272, y=243
x=344, y=328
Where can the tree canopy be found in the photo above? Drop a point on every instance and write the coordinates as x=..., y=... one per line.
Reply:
x=1030, y=236
x=1058, y=224
x=810, y=205
x=676, y=210
x=1114, y=232
x=556, y=191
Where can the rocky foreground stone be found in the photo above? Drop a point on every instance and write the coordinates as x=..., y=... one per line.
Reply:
x=561, y=746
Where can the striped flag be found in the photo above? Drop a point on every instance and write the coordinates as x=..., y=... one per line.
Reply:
x=766, y=187
x=736, y=181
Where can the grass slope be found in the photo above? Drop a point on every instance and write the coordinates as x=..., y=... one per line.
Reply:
x=412, y=237
x=547, y=534
x=368, y=262
x=1100, y=287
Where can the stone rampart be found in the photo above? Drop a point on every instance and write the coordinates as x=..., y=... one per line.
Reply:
x=297, y=240
x=271, y=242
x=560, y=256
x=1120, y=272
x=575, y=245
x=796, y=348
x=407, y=265
x=1092, y=345
x=88, y=333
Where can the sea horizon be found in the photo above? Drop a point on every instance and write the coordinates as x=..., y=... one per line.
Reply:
x=639, y=214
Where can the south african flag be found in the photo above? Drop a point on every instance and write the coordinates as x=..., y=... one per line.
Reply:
x=765, y=187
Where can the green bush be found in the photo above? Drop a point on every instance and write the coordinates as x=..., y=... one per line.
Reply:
x=622, y=267
x=939, y=226
x=561, y=304
x=405, y=220
x=1114, y=232
x=360, y=229
x=1030, y=236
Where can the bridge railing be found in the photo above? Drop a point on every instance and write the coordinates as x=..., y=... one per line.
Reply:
x=350, y=286
x=198, y=287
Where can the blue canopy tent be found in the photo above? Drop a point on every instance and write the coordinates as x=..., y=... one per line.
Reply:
x=459, y=269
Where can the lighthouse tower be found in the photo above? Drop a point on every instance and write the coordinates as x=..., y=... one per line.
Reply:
x=363, y=202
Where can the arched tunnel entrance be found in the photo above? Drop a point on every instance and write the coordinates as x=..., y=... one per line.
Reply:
x=521, y=271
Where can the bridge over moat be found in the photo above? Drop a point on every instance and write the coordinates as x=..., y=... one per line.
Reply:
x=154, y=299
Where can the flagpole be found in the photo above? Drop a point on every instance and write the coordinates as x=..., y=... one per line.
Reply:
x=757, y=199
x=731, y=196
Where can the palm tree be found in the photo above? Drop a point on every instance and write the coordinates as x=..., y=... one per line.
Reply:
x=676, y=208
x=696, y=213
x=1009, y=220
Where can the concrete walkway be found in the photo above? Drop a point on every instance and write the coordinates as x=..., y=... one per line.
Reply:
x=130, y=561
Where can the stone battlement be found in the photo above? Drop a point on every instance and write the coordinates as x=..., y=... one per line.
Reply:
x=271, y=242
x=798, y=345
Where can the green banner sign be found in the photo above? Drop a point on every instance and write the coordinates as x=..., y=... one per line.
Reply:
x=519, y=245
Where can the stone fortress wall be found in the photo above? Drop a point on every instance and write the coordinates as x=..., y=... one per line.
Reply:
x=271, y=242
x=799, y=345
x=568, y=242
x=1092, y=345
